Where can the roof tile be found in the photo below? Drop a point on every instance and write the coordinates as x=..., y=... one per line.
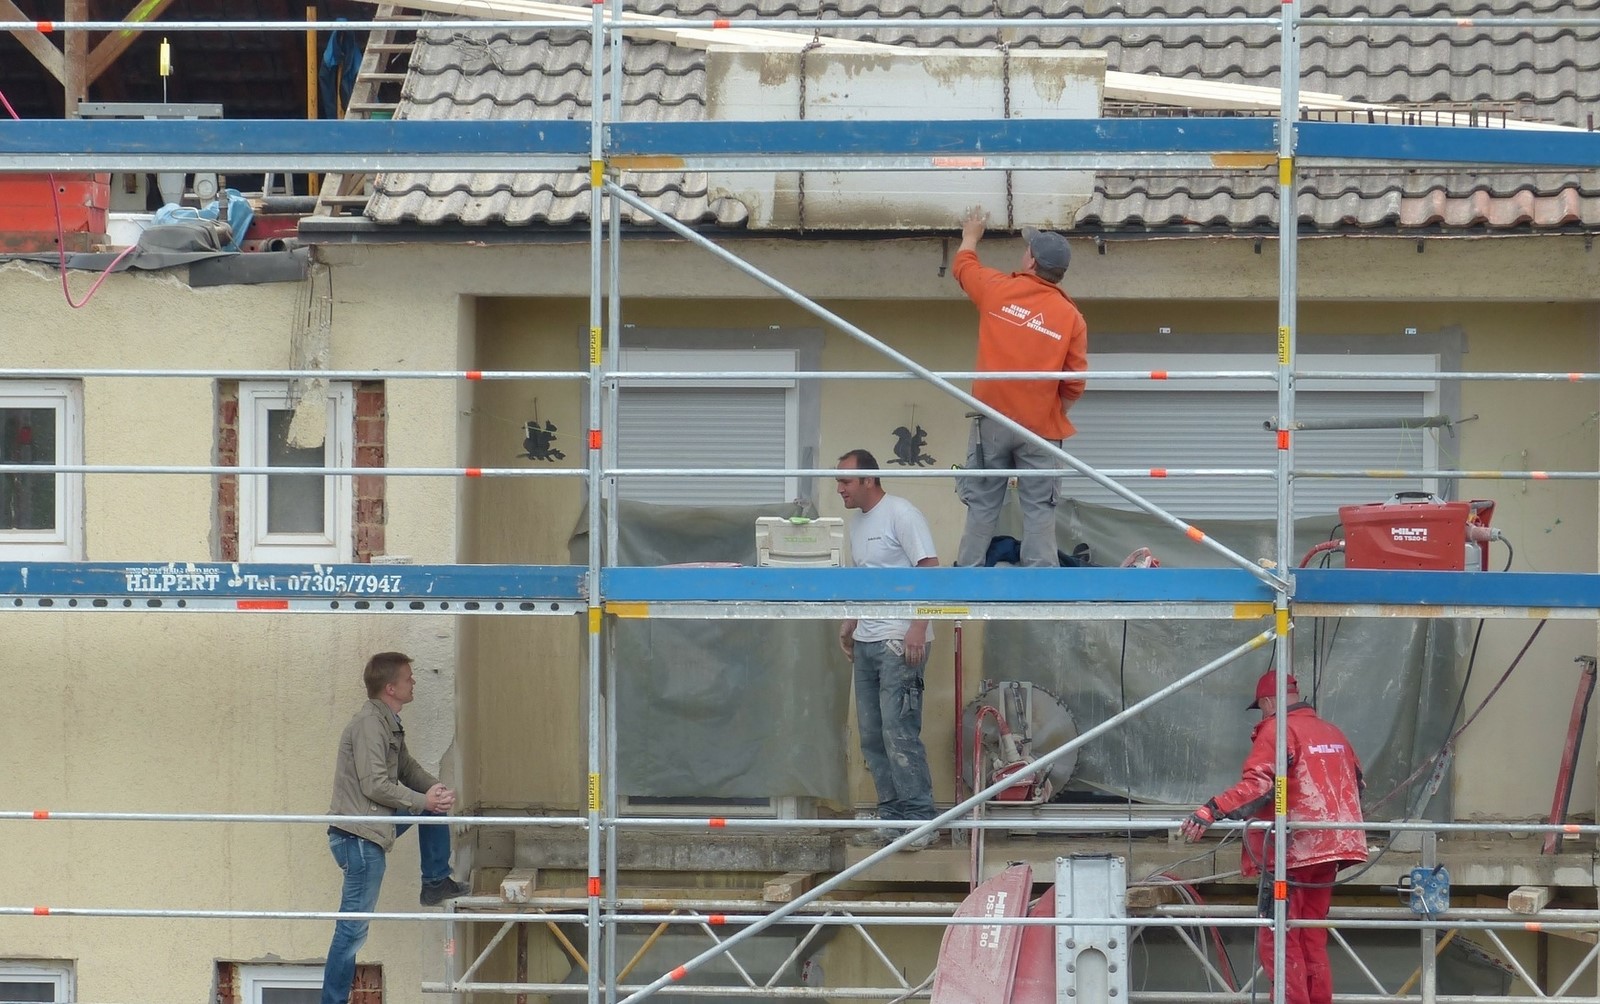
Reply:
x=1541, y=72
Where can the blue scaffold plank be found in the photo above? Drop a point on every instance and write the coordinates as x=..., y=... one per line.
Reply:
x=237, y=144
x=971, y=136
x=226, y=586
x=1455, y=145
x=944, y=586
x=1517, y=590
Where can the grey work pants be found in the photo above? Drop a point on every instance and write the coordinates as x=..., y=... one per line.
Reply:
x=992, y=446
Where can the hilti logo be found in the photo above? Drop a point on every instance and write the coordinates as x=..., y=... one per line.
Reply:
x=1411, y=534
x=1325, y=748
x=993, y=906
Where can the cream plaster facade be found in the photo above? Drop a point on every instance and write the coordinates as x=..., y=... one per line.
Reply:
x=239, y=713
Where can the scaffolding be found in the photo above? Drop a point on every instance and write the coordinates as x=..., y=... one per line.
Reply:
x=604, y=149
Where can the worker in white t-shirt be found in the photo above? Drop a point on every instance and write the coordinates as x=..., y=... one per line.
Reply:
x=888, y=655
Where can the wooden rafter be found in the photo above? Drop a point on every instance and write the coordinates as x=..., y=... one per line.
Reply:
x=48, y=55
x=115, y=44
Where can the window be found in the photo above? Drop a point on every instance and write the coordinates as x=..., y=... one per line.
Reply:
x=295, y=517
x=36, y=981
x=748, y=423
x=1206, y=423
x=280, y=984
x=41, y=515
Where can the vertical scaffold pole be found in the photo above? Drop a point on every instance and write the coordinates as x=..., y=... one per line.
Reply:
x=613, y=803
x=1288, y=261
x=595, y=444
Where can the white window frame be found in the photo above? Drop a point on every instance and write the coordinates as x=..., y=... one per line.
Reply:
x=712, y=362
x=65, y=542
x=1423, y=365
x=335, y=542
x=59, y=974
x=254, y=979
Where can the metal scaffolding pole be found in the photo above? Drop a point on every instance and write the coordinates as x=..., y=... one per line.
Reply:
x=1283, y=657
x=596, y=648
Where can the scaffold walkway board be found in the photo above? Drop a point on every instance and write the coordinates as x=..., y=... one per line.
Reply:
x=563, y=145
x=735, y=593
x=937, y=593
x=1321, y=592
x=306, y=588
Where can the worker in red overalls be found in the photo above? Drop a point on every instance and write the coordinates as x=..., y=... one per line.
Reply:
x=1325, y=785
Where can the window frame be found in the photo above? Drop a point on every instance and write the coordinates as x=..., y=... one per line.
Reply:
x=336, y=541
x=61, y=974
x=712, y=361
x=65, y=542
x=255, y=978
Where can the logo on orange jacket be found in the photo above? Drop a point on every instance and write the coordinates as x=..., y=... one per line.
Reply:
x=1022, y=317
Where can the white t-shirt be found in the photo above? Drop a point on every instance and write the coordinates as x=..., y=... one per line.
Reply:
x=893, y=534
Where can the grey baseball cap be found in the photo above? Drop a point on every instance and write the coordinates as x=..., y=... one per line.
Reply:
x=1049, y=249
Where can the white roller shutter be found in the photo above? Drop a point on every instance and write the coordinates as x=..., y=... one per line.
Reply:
x=1181, y=428
x=746, y=424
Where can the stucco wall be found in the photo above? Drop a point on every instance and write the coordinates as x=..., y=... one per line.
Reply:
x=539, y=759
x=203, y=712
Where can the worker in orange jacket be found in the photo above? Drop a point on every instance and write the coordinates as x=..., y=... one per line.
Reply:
x=1025, y=323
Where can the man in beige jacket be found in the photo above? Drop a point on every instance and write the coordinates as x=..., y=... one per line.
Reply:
x=374, y=775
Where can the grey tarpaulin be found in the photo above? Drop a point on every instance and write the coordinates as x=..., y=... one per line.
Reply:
x=1390, y=683
x=722, y=709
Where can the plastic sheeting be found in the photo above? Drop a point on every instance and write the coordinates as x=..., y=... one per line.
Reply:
x=723, y=709
x=1390, y=683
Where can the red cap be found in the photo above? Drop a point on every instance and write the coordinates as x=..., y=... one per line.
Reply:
x=1267, y=686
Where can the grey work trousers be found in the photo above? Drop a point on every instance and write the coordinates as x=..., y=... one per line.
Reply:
x=992, y=446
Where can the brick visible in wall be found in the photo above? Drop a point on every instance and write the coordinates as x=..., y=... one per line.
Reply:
x=371, y=450
x=228, y=484
x=371, y=442
x=366, y=988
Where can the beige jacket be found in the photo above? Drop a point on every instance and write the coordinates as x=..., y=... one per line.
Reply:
x=373, y=774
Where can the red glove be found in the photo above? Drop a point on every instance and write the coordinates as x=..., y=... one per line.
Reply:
x=1199, y=822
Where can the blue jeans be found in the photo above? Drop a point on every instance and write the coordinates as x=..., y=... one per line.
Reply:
x=363, y=863
x=889, y=715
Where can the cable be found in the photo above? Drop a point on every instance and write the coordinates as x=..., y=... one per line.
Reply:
x=1450, y=740
x=61, y=236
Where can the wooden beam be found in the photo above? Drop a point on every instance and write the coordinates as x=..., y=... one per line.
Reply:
x=76, y=45
x=1148, y=897
x=48, y=55
x=117, y=43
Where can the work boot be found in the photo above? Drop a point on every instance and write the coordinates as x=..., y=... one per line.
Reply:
x=926, y=840
x=875, y=837
x=436, y=892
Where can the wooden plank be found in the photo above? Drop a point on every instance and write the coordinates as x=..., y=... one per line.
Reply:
x=1148, y=897
x=785, y=888
x=47, y=54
